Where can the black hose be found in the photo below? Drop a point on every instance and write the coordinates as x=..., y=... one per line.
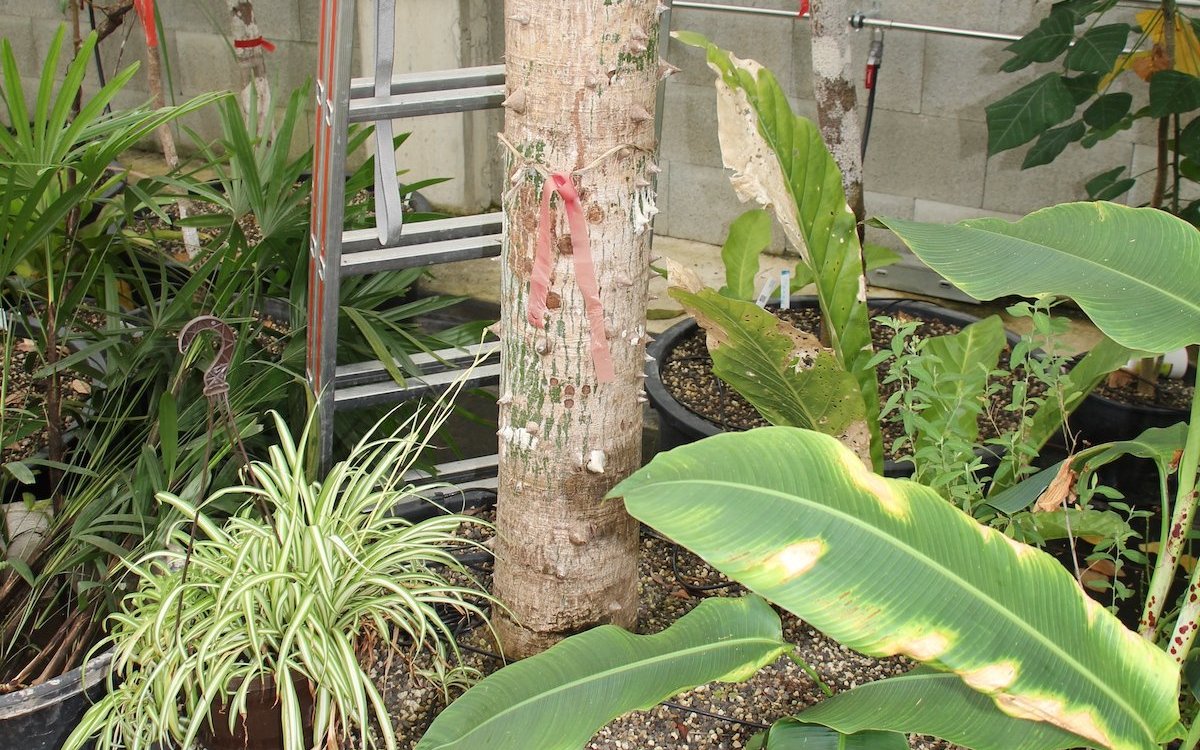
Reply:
x=100, y=76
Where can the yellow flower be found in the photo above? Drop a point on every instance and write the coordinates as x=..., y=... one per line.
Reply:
x=1146, y=63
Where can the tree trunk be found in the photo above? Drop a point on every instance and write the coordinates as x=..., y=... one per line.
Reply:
x=581, y=92
x=837, y=99
x=249, y=47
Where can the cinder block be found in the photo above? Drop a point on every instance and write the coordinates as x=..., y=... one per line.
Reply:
x=690, y=125
x=703, y=204
x=949, y=213
x=886, y=204
x=981, y=15
x=434, y=150
x=962, y=76
x=18, y=32
x=936, y=158
x=292, y=64
x=662, y=220
x=35, y=9
x=205, y=63
x=279, y=20
x=766, y=39
x=1013, y=190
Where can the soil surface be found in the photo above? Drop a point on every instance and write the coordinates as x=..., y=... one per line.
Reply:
x=686, y=373
x=716, y=716
x=1169, y=393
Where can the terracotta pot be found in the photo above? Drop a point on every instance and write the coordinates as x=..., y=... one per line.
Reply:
x=260, y=727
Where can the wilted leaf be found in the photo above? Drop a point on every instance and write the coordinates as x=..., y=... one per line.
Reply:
x=1061, y=490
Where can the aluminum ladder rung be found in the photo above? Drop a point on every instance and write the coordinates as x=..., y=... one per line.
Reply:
x=435, y=80
x=423, y=103
x=375, y=394
x=453, y=228
x=430, y=253
x=454, y=472
x=440, y=360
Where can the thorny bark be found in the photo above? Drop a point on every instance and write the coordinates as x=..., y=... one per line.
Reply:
x=251, y=60
x=837, y=98
x=114, y=17
x=581, y=95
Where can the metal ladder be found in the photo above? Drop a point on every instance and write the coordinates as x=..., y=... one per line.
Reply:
x=391, y=246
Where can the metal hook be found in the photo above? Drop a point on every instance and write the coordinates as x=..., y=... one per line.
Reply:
x=216, y=374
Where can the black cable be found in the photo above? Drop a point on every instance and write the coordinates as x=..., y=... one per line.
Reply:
x=693, y=588
x=867, y=122
x=711, y=715
x=96, y=54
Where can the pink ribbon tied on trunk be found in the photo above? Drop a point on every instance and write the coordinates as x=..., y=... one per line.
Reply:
x=585, y=271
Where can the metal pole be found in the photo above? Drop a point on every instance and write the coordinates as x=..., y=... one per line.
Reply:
x=735, y=9
x=860, y=21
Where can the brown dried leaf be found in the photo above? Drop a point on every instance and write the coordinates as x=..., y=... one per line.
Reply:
x=1060, y=491
x=82, y=387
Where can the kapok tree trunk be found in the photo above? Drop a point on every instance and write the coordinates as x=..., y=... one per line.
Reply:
x=837, y=98
x=581, y=94
x=250, y=48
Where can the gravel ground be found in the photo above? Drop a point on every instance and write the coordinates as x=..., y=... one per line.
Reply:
x=737, y=711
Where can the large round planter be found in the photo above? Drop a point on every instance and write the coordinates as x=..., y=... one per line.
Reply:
x=678, y=425
x=41, y=717
x=1099, y=419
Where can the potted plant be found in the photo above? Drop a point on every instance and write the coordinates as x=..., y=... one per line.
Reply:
x=1013, y=653
x=275, y=606
x=758, y=356
x=1155, y=53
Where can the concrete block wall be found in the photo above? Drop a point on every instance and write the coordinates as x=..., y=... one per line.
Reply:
x=927, y=156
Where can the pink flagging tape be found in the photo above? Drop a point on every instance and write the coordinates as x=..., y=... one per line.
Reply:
x=585, y=271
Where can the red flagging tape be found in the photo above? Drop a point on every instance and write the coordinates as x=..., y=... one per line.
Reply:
x=257, y=41
x=145, y=11
x=585, y=271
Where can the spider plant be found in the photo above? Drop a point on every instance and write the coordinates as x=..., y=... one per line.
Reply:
x=290, y=598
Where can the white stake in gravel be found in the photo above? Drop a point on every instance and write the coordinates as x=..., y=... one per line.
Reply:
x=764, y=294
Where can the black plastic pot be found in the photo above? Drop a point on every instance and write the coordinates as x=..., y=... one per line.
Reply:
x=42, y=717
x=678, y=425
x=1099, y=419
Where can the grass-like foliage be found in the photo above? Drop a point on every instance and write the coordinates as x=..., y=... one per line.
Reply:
x=292, y=598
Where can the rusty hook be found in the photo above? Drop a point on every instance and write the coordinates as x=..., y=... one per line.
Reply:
x=216, y=374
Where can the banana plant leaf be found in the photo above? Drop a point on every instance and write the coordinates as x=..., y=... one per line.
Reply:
x=925, y=701
x=780, y=161
x=887, y=567
x=749, y=235
x=1132, y=270
x=790, y=734
x=557, y=699
x=783, y=372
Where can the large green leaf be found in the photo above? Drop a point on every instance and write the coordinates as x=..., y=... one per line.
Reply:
x=1098, y=49
x=779, y=160
x=1172, y=91
x=749, y=235
x=783, y=372
x=1025, y=113
x=888, y=567
x=925, y=701
x=790, y=734
x=1051, y=143
x=1132, y=270
x=1046, y=42
x=556, y=700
